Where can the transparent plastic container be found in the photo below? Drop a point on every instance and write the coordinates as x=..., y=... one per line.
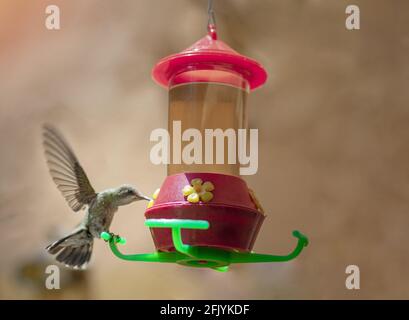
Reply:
x=217, y=104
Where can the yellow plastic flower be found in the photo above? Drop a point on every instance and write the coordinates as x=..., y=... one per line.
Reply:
x=198, y=191
x=154, y=196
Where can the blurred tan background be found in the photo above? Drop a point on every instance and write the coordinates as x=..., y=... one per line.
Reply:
x=333, y=121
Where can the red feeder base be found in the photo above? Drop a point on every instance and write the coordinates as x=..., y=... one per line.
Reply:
x=233, y=217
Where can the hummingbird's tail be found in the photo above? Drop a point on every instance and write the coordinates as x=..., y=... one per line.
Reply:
x=74, y=250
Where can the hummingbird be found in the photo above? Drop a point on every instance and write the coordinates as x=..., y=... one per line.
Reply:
x=75, y=249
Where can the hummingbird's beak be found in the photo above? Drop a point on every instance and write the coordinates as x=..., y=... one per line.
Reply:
x=146, y=198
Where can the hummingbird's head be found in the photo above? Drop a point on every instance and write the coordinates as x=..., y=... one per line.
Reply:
x=127, y=194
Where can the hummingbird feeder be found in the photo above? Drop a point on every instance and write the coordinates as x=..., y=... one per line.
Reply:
x=204, y=215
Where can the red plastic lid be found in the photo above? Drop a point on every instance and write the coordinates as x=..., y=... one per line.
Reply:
x=209, y=54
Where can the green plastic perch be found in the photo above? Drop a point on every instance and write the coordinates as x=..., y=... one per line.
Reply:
x=193, y=256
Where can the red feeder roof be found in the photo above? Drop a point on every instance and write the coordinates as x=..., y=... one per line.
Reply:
x=207, y=54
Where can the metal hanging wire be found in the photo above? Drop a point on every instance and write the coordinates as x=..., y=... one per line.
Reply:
x=211, y=22
x=210, y=12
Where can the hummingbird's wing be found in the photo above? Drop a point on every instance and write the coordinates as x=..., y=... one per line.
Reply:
x=65, y=170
